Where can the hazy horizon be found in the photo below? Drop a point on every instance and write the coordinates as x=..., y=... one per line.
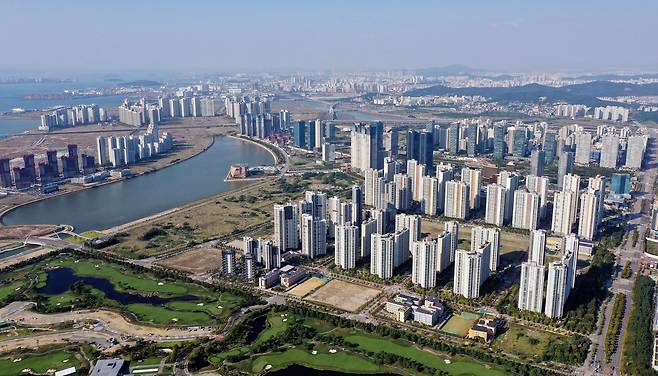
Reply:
x=78, y=38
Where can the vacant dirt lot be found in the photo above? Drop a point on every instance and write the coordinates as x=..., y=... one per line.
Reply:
x=198, y=260
x=344, y=295
x=306, y=287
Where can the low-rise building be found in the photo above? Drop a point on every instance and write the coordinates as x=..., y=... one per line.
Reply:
x=486, y=328
x=269, y=279
x=425, y=311
x=292, y=275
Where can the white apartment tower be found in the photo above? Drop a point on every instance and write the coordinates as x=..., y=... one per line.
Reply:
x=482, y=235
x=495, y=205
x=423, y=270
x=456, y=203
x=589, y=206
x=526, y=209
x=285, y=227
x=564, y=212
x=444, y=251
x=471, y=270
x=347, y=241
x=314, y=236
x=473, y=178
x=452, y=228
x=531, y=290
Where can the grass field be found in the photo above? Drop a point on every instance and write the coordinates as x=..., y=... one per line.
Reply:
x=344, y=295
x=87, y=235
x=306, y=287
x=459, y=324
x=427, y=358
x=523, y=341
x=57, y=360
x=339, y=361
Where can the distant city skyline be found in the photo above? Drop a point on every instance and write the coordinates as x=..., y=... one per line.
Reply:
x=506, y=36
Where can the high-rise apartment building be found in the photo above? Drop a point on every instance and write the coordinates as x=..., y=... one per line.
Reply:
x=609, y=151
x=589, y=207
x=444, y=251
x=526, y=209
x=456, y=203
x=539, y=184
x=495, y=205
x=537, y=161
x=471, y=270
x=347, y=243
x=564, y=212
x=423, y=270
x=473, y=178
x=537, y=248
x=583, y=148
x=531, y=289
x=510, y=181
x=285, y=227
x=314, y=236
x=367, y=146
x=482, y=235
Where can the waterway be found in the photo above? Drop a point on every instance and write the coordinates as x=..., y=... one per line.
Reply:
x=60, y=281
x=10, y=127
x=114, y=204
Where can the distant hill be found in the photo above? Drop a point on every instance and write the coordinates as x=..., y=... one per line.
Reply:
x=578, y=94
x=140, y=83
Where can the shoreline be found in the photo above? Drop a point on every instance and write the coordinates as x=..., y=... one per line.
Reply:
x=137, y=222
x=39, y=199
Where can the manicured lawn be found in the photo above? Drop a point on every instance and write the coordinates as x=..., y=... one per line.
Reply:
x=38, y=363
x=160, y=315
x=211, y=308
x=458, y=324
x=429, y=359
x=339, y=361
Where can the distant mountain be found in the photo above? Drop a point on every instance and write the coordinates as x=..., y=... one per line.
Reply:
x=448, y=70
x=614, y=77
x=578, y=94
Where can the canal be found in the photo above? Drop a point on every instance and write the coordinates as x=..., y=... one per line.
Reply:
x=128, y=200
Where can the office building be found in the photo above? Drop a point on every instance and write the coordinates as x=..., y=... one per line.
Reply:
x=391, y=143
x=531, y=289
x=423, y=270
x=564, y=212
x=537, y=162
x=420, y=147
x=347, y=243
x=453, y=139
x=526, y=209
x=499, y=142
x=313, y=236
x=620, y=184
x=328, y=153
x=482, y=235
x=285, y=227
x=471, y=270
x=367, y=146
x=444, y=173
x=472, y=140
x=495, y=205
x=550, y=147
x=456, y=203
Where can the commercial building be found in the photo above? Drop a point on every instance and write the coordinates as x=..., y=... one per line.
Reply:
x=620, y=184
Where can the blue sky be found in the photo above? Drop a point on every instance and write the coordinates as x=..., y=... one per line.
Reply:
x=258, y=35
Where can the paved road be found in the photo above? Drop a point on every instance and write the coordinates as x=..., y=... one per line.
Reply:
x=595, y=363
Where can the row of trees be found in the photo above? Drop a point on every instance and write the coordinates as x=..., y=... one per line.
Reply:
x=618, y=309
x=638, y=341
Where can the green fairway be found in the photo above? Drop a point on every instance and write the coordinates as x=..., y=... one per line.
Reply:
x=57, y=360
x=163, y=316
x=275, y=326
x=9, y=289
x=125, y=280
x=339, y=361
x=427, y=358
